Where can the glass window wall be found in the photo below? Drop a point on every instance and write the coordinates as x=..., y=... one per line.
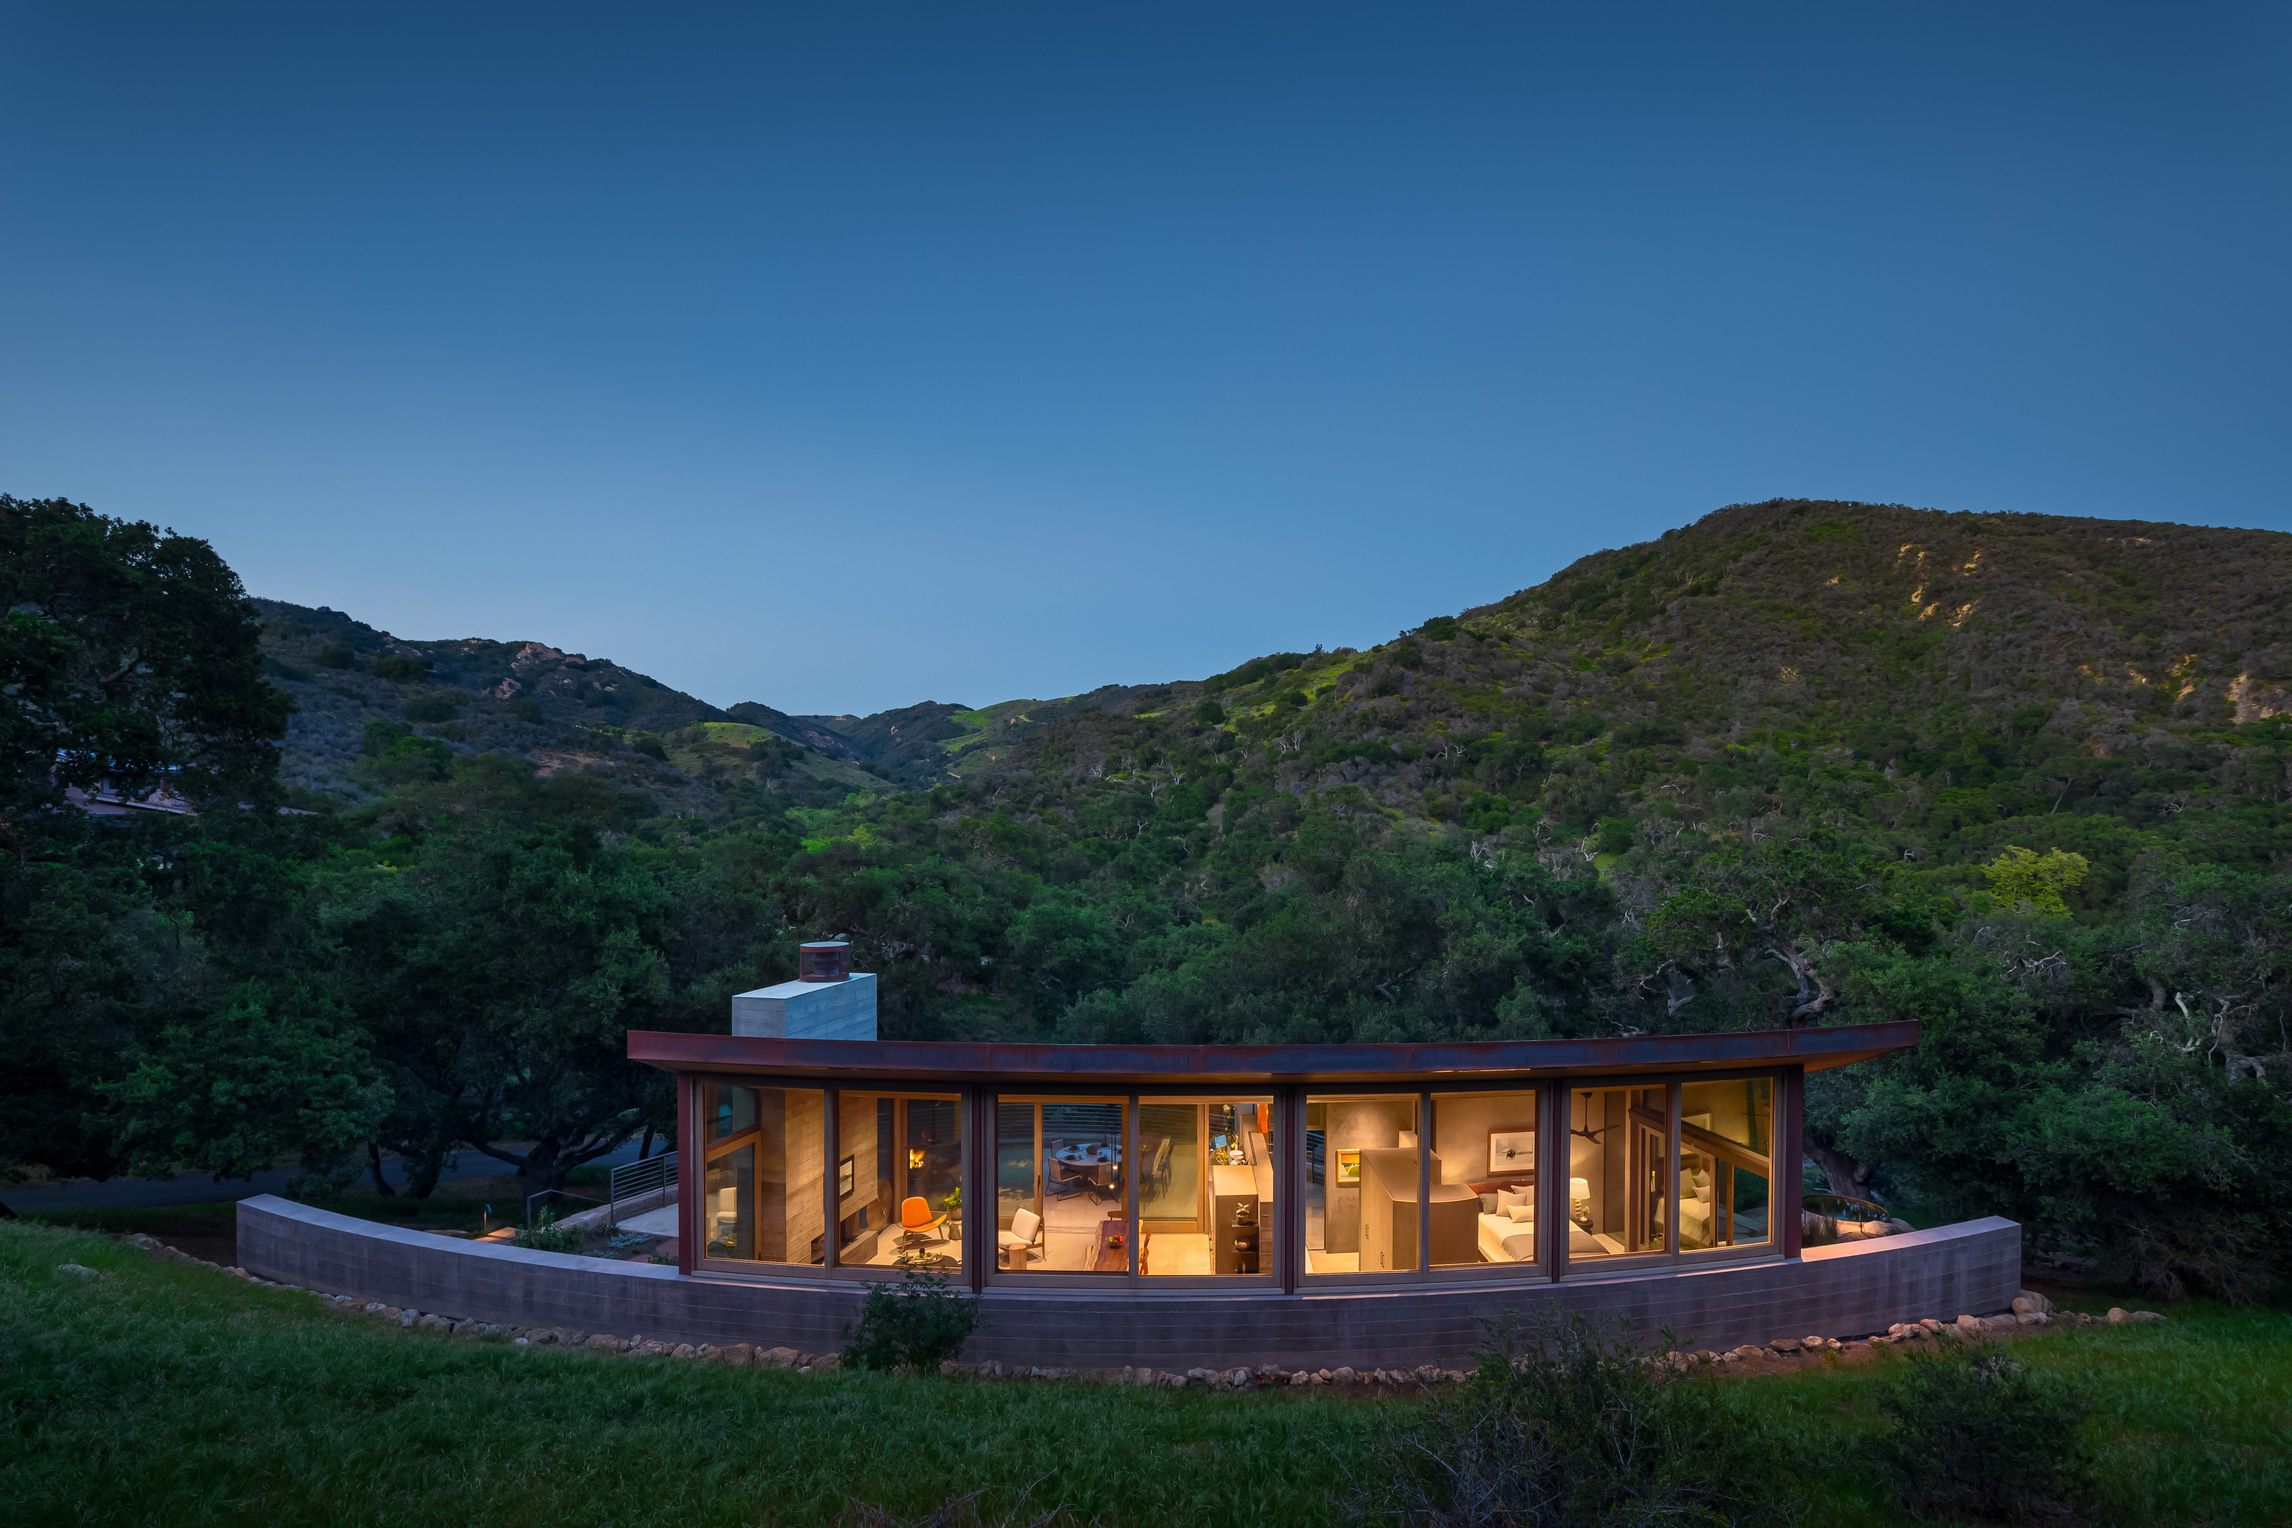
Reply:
x=1726, y=1152
x=763, y=1181
x=899, y=1181
x=1484, y=1147
x=1205, y=1187
x=728, y=1203
x=1361, y=1168
x=729, y=1110
x=1062, y=1185
x=1619, y=1171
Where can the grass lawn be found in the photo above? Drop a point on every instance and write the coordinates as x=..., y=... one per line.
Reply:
x=163, y=1393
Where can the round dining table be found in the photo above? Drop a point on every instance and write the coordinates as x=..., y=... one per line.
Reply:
x=1096, y=1160
x=1091, y=1155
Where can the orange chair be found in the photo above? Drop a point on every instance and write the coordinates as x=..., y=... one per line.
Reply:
x=916, y=1222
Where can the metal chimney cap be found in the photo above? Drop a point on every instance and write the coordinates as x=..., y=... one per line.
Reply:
x=824, y=960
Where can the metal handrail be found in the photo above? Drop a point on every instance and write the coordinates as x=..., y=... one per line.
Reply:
x=632, y=1179
x=540, y=1194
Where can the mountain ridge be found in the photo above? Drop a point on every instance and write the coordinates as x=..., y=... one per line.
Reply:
x=1788, y=604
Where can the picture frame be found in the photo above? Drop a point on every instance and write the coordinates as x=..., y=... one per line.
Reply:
x=846, y=1177
x=1349, y=1167
x=1512, y=1151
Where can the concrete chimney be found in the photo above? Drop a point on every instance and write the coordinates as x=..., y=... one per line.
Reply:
x=828, y=1000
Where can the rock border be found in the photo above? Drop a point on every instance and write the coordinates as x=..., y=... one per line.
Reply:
x=2031, y=1313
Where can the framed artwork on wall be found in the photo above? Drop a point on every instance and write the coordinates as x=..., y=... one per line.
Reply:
x=1511, y=1151
x=844, y=1177
x=1349, y=1167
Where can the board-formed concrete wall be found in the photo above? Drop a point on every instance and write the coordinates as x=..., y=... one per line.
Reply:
x=1840, y=1291
x=842, y=1010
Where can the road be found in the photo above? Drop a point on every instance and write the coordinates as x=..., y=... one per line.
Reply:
x=200, y=1188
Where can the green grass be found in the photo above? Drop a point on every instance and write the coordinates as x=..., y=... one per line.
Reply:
x=2190, y=1417
x=164, y=1393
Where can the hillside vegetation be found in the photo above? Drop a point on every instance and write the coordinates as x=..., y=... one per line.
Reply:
x=361, y=694
x=2023, y=779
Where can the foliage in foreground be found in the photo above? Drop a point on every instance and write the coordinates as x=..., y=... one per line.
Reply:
x=546, y=1234
x=164, y=1392
x=1564, y=1423
x=916, y=1324
x=1979, y=1433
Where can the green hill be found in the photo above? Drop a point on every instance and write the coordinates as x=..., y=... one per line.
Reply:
x=1905, y=637
x=558, y=711
x=2023, y=779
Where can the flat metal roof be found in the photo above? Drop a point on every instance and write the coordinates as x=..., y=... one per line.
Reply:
x=1178, y=1065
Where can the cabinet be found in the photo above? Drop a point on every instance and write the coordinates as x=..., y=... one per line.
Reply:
x=1389, y=1214
x=1236, y=1244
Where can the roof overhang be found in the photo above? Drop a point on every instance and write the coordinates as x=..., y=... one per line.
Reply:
x=923, y=1061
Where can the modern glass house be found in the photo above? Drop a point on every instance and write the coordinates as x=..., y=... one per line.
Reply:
x=1288, y=1171
x=1167, y=1207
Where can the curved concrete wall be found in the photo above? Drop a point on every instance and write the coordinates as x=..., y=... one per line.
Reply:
x=1833, y=1291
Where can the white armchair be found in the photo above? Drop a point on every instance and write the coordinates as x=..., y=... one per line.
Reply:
x=1017, y=1246
x=724, y=1223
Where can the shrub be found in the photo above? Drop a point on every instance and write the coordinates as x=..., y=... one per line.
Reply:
x=546, y=1235
x=1978, y=1433
x=412, y=759
x=917, y=1323
x=432, y=708
x=406, y=668
x=1564, y=1423
x=382, y=736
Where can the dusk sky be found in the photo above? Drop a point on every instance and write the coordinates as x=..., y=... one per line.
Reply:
x=862, y=354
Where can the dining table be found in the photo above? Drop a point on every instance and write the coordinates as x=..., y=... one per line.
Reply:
x=1090, y=1154
x=1113, y=1251
x=1099, y=1161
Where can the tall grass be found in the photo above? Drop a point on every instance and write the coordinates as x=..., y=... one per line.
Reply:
x=163, y=1393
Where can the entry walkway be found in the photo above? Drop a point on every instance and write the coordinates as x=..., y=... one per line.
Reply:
x=661, y=1222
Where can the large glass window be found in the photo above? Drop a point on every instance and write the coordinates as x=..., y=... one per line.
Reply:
x=1619, y=1171
x=1484, y=1147
x=728, y=1203
x=1361, y=1167
x=1205, y=1187
x=763, y=1182
x=730, y=1110
x=899, y=1181
x=1726, y=1153
x=1062, y=1185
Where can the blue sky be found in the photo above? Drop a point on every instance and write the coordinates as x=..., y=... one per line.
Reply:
x=861, y=354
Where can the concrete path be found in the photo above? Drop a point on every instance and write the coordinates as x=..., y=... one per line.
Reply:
x=660, y=1222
